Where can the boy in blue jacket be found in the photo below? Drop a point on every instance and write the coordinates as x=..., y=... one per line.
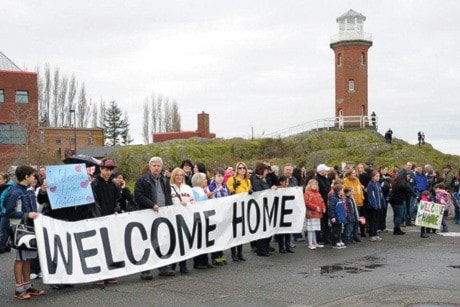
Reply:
x=337, y=215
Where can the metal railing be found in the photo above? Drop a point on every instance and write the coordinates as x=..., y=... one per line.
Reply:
x=340, y=122
x=351, y=37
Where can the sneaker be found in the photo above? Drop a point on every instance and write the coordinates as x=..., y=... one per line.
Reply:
x=311, y=247
x=146, y=275
x=319, y=245
x=35, y=292
x=373, y=239
x=379, y=238
x=100, y=282
x=112, y=281
x=338, y=246
x=341, y=243
x=21, y=295
x=33, y=276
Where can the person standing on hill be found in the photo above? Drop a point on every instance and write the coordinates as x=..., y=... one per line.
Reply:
x=388, y=136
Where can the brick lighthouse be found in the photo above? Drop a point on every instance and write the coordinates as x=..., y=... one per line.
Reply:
x=350, y=48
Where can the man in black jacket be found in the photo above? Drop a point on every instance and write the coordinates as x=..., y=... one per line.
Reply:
x=153, y=191
x=324, y=186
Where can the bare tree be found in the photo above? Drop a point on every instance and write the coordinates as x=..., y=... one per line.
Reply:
x=55, y=107
x=46, y=96
x=81, y=108
x=146, y=122
x=153, y=115
x=62, y=101
x=175, y=117
x=71, y=99
x=167, y=116
x=101, y=113
x=159, y=113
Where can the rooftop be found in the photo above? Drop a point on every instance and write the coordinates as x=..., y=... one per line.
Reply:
x=7, y=64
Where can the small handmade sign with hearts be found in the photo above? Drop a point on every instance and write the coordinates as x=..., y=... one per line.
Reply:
x=68, y=186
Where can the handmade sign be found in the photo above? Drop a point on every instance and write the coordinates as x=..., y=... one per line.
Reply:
x=68, y=185
x=429, y=215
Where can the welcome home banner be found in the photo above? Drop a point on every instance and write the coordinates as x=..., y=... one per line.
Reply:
x=127, y=243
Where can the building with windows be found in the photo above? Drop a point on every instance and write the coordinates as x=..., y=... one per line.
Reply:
x=350, y=47
x=19, y=137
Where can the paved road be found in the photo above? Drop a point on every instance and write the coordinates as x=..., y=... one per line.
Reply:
x=399, y=271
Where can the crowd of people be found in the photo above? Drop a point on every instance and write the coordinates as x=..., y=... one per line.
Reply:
x=342, y=206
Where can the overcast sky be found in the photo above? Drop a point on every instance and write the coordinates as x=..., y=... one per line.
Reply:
x=258, y=66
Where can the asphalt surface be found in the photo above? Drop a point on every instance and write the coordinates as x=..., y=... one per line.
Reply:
x=398, y=271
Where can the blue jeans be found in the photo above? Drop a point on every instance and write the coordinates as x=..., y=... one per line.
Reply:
x=4, y=226
x=348, y=230
x=456, y=207
x=398, y=212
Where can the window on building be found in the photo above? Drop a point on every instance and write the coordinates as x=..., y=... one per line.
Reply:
x=13, y=134
x=351, y=85
x=90, y=140
x=58, y=140
x=339, y=59
x=2, y=95
x=363, y=58
x=22, y=96
x=42, y=137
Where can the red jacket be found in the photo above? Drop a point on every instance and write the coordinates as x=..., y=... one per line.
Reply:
x=313, y=200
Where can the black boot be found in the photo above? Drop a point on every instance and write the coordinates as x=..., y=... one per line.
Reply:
x=240, y=253
x=397, y=231
x=234, y=256
x=183, y=267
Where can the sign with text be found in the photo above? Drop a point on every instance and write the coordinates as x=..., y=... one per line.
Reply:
x=127, y=243
x=68, y=185
x=429, y=215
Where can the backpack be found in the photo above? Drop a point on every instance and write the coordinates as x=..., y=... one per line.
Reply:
x=4, y=191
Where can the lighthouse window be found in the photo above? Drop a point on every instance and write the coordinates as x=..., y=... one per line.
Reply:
x=363, y=58
x=351, y=85
x=339, y=59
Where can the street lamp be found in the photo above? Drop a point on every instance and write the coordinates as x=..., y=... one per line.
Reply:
x=74, y=129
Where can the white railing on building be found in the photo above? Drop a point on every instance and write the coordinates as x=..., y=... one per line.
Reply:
x=351, y=36
x=327, y=123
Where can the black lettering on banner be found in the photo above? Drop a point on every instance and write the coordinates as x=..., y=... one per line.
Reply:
x=253, y=204
x=129, y=243
x=238, y=220
x=209, y=227
x=270, y=215
x=154, y=237
x=182, y=229
x=111, y=265
x=53, y=263
x=285, y=211
x=79, y=236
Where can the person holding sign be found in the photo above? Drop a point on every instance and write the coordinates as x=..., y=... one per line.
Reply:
x=106, y=198
x=153, y=191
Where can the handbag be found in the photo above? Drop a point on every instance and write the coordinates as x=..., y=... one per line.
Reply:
x=22, y=236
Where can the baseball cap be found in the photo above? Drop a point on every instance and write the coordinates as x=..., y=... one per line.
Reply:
x=108, y=164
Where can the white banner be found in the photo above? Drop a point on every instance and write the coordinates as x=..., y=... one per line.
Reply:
x=123, y=244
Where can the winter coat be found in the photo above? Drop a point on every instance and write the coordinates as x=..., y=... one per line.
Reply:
x=20, y=201
x=375, y=199
x=337, y=209
x=358, y=192
x=244, y=186
x=145, y=191
x=313, y=201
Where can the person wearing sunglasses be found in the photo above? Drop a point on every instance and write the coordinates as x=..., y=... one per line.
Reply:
x=239, y=183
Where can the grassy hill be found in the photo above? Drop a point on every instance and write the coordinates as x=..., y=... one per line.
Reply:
x=306, y=149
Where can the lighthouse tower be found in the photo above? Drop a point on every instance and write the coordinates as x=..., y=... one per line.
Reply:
x=350, y=47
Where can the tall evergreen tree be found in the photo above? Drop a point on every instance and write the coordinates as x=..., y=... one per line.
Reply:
x=116, y=125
